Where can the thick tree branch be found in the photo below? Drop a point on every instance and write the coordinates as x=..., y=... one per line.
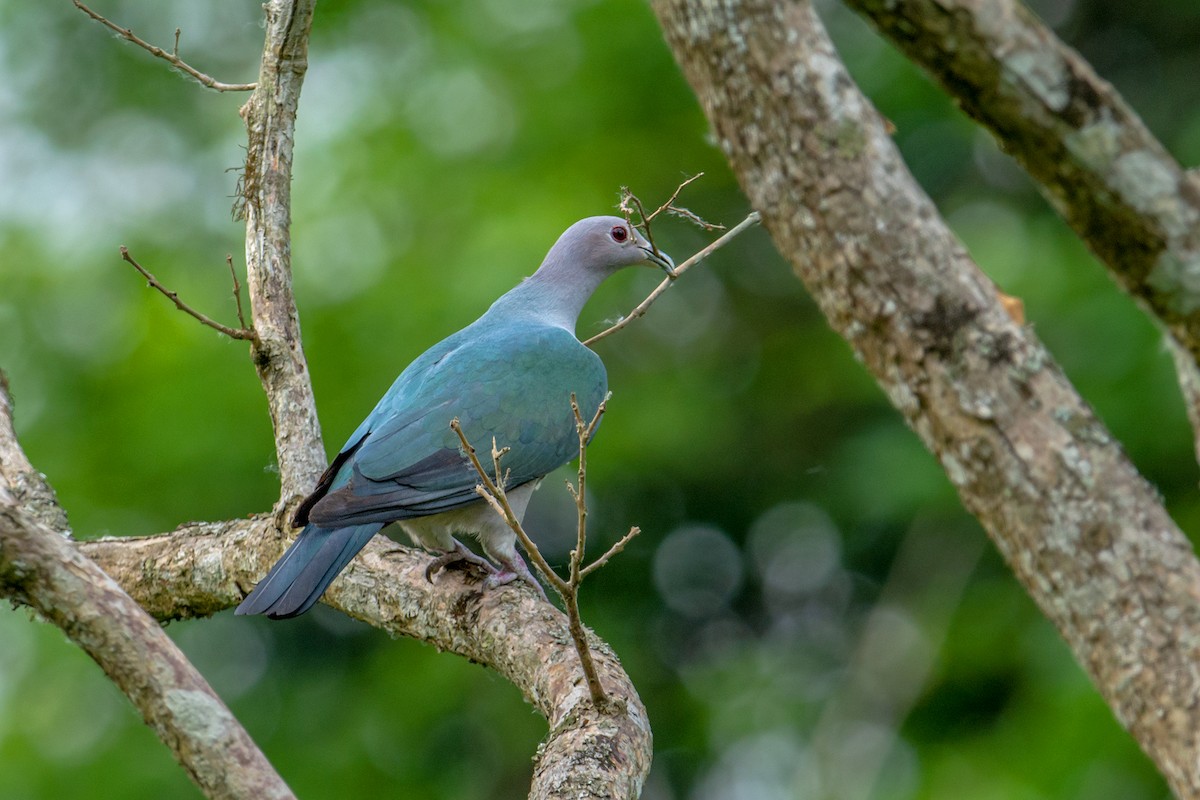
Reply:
x=270, y=116
x=1085, y=534
x=45, y=570
x=1104, y=171
x=589, y=752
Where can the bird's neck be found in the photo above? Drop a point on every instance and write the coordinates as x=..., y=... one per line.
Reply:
x=553, y=295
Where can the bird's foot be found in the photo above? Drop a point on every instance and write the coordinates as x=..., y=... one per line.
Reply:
x=511, y=571
x=458, y=555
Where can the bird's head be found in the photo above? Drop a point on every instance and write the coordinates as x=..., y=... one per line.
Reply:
x=608, y=243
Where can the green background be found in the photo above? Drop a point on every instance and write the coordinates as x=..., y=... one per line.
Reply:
x=809, y=613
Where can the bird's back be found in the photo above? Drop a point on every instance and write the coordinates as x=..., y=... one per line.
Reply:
x=508, y=382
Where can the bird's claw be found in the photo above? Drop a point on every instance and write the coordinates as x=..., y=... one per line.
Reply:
x=508, y=572
x=517, y=570
x=458, y=555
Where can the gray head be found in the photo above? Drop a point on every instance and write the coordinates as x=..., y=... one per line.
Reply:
x=604, y=245
x=586, y=253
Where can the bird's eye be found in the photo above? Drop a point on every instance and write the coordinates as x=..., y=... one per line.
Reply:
x=618, y=233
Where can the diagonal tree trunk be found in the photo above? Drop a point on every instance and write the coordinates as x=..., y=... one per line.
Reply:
x=1085, y=534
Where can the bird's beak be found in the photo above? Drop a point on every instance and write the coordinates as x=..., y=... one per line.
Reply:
x=660, y=259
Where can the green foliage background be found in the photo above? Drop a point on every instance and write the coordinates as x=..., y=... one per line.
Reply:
x=809, y=612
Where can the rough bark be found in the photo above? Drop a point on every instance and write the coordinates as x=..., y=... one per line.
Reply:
x=27, y=487
x=1084, y=533
x=1104, y=171
x=270, y=116
x=589, y=752
x=42, y=568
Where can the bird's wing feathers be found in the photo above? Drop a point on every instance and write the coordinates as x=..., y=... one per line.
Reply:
x=512, y=384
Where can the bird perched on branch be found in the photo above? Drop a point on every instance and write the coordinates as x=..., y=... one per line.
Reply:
x=509, y=376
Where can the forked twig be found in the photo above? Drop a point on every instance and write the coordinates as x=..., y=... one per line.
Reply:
x=243, y=333
x=492, y=490
x=171, y=58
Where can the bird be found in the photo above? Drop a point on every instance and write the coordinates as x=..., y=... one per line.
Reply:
x=507, y=377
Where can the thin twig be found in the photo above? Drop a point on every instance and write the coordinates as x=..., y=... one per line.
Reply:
x=671, y=200
x=494, y=494
x=640, y=310
x=584, y=431
x=629, y=204
x=694, y=218
x=171, y=58
x=612, y=551
x=237, y=292
x=492, y=490
x=245, y=334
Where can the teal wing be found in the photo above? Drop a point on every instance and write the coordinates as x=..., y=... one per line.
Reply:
x=513, y=385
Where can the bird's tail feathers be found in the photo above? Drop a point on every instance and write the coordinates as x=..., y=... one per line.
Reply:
x=300, y=577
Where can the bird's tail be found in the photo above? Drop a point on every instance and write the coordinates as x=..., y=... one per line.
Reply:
x=301, y=576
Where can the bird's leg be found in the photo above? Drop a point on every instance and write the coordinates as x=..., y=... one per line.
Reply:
x=513, y=567
x=455, y=555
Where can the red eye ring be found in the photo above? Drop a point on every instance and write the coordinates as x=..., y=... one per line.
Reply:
x=619, y=233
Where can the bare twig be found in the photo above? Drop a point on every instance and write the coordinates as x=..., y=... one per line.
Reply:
x=675, y=195
x=641, y=308
x=171, y=58
x=579, y=490
x=246, y=334
x=571, y=598
x=631, y=204
x=618, y=547
x=492, y=490
x=237, y=292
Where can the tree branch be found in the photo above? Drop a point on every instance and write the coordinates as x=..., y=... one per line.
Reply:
x=171, y=58
x=204, y=567
x=27, y=487
x=270, y=116
x=1085, y=534
x=1104, y=171
x=44, y=570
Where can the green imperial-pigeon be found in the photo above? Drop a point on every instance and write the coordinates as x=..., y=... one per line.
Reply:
x=509, y=375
